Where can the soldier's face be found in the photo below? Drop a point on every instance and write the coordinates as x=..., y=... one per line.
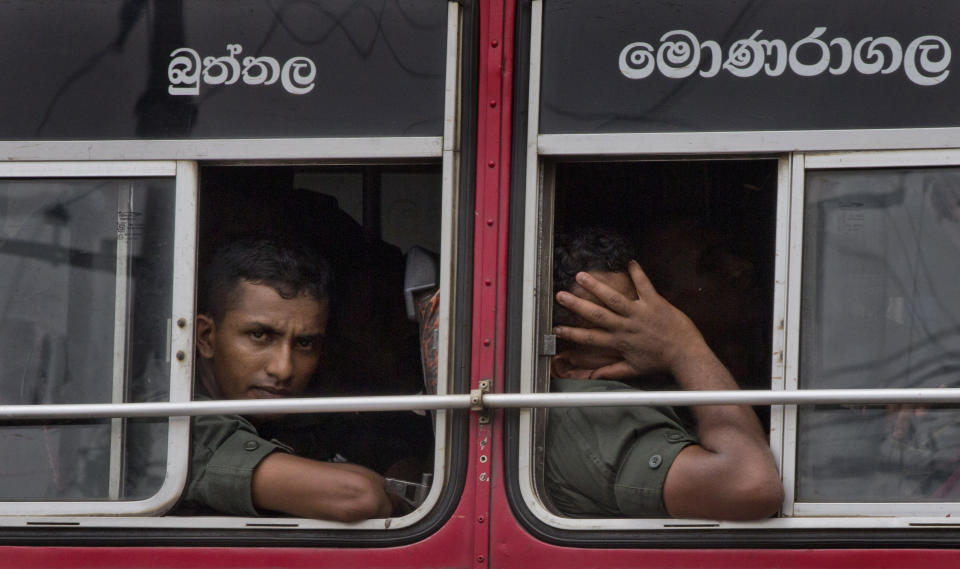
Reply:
x=265, y=346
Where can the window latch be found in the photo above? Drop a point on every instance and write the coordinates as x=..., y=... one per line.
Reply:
x=549, y=345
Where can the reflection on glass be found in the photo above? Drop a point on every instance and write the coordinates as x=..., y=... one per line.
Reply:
x=880, y=309
x=85, y=273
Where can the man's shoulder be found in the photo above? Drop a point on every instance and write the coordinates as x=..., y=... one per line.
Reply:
x=566, y=385
x=631, y=414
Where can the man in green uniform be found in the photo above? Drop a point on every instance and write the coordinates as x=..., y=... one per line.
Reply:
x=260, y=333
x=643, y=461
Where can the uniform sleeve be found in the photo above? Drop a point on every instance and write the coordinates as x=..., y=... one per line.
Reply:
x=225, y=450
x=611, y=461
x=643, y=469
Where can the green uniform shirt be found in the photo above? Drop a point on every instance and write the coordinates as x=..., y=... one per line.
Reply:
x=224, y=451
x=610, y=461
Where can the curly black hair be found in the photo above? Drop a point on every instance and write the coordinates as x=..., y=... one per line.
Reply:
x=285, y=266
x=590, y=249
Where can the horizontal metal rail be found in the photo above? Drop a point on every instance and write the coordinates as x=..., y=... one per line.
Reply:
x=236, y=407
x=924, y=396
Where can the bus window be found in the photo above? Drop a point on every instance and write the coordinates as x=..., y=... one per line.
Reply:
x=348, y=141
x=91, y=315
x=703, y=231
x=362, y=220
x=880, y=308
x=873, y=250
x=86, y=291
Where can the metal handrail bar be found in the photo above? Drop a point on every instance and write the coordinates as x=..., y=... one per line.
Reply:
x=235, y=407
x=919, y=396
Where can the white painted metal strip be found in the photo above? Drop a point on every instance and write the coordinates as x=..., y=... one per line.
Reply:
x=181, y=336
x=234, y=149
x=883, y=159
x=154, y=168
x=779, y=333
x=792, y=324
x=532, y=189
x=451, y=92
x=121, y=317
x=623, y=144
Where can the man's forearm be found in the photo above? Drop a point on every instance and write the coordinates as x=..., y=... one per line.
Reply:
x=731, y=474
x=323, y=490
x=699, y=369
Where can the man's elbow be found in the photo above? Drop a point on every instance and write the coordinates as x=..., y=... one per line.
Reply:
x=359, y=498
x=757, y=497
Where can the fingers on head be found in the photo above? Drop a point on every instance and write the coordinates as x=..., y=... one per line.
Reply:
x=582, y=336
x=609, y=296
x=640, y=280
x=593, y=285
x=590, y=312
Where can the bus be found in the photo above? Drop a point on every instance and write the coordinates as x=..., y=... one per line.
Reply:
x=789, y=172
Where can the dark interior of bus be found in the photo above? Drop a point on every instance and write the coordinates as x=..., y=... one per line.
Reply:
x=363, y=220
x=703, y=231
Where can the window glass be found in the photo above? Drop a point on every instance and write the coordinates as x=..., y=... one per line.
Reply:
x=85, y=273
x=880, y=309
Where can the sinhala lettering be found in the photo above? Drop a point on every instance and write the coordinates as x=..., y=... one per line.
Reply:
x=187, y=71
x=681, y=54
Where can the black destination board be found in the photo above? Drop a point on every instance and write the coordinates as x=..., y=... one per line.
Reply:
x=191, y=69
x=740, y=65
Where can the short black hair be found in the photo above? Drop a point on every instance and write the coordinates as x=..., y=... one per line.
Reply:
x=288, y=267
x=589, y=249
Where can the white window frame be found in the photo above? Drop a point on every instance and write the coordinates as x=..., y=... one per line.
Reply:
x=872, y=160
x=184, y=253
x=784, y=387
